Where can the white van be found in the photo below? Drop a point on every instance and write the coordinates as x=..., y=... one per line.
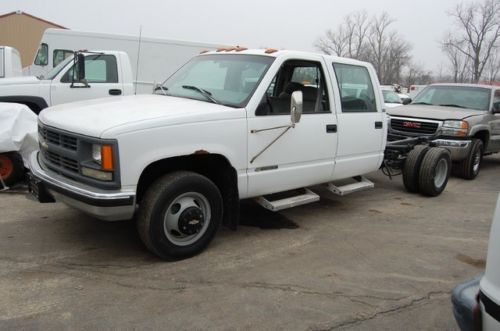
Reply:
x=155, y=58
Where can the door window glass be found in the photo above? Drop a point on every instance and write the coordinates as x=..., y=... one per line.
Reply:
x=294, y=75
x=356, y=89
x=98, y=69
x=60, y=55
x=42, y=56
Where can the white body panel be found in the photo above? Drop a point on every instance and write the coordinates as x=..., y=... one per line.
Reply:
x=157, y=58
x=490, y=283
x=10, y=62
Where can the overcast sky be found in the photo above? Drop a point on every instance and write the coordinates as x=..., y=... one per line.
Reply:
x=287, y=24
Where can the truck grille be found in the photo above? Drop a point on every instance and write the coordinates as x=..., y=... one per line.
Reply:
x=59, y=151
x=414, y=126
x=58, y=139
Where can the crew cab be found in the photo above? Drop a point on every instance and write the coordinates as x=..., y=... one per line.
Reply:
x=463, y=118
x=108, y=73
x=229, y=125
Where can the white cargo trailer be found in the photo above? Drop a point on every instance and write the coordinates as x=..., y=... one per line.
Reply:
x=152, y=59
x=10, y=62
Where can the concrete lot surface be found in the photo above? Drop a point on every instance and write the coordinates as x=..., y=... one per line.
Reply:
x=376, y=260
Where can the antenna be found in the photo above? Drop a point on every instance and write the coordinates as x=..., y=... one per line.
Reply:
x=137, y=64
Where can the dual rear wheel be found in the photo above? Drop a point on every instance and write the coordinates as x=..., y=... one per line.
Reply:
x=427, y=170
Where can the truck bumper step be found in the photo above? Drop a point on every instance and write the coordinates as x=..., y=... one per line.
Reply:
x=295, y=200
x=361, y=183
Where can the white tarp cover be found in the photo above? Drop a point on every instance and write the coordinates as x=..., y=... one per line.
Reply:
x=18, y=130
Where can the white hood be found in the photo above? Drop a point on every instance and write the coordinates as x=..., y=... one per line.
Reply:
x=112, y=116
x=19, y=80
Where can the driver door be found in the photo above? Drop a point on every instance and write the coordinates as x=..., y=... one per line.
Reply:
x=281, y=159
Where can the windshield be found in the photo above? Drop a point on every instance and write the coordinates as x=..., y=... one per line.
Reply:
x=55, y=71
x=228, y=79
x=391, y=97
x=469, y=97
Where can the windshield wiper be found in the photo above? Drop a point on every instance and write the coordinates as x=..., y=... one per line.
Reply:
x=421, y=103
x=451, y=105
x=203, y=92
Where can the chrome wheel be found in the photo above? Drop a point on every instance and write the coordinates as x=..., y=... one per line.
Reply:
x=441, y=173
x=187, y=218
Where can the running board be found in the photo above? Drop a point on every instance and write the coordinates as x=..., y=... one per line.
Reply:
x=362, y=183
x=289, y=202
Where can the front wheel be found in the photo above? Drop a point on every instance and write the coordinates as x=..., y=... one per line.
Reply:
x=434, y=171
x=469, y=168
x=11, y=168
x=179, y=215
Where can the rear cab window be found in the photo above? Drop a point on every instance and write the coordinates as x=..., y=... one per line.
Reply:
x=356, y=88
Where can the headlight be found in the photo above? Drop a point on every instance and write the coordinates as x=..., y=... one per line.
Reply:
x=455, y=128
x=102, y=154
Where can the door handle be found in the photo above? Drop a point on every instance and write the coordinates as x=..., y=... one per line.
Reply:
x=115, y=92
x=379, y=125
x=331, y=128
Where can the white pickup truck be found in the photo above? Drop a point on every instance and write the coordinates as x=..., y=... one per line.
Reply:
x=108, y=73
x=229, y=125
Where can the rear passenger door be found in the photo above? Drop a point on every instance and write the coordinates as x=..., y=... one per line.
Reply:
x=102, y=74
x=362, y=128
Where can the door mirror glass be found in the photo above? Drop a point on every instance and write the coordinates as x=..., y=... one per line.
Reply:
x=296, y=106
x=496, y=107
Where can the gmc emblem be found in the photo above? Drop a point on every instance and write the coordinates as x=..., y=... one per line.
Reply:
x=414, y=125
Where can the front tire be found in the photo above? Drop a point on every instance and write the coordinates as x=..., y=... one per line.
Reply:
x=179, y=215
x=434, y=171
x=469, y=168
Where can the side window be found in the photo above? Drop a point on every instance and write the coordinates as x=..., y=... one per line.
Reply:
x=496, y=100
x=60, y=55
x=295, y=75
x=356, y=89
x=42, y=56
x=98, y=69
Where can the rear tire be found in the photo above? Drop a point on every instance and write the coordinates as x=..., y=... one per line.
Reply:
x=11, y=168
x=411, y=168
x=179, y=215
x=434, y=171
x=469, y=168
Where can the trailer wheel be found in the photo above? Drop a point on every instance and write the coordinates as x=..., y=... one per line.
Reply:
x=11, y=168
x=434, y=171
x=411, y=168
x=469, y=168
x=179, y=215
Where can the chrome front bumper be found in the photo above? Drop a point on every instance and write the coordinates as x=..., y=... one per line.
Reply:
x=102, y=204
x=459, y=149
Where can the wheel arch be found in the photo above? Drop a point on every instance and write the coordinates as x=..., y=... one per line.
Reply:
x=216, y=167
x=484, y=136
x=36, y=104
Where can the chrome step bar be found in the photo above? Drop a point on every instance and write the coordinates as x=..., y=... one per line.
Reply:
x=362, y=183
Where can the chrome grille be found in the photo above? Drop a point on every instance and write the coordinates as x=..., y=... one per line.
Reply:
x=58, y=139
x=414, y=126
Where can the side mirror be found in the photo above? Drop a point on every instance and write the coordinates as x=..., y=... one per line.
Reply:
x=80, y=62
x=496, y=108
x=296, y=107
x=406, y=101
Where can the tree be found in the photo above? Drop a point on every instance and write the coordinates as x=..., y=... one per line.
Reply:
x=477, y=36
x=369, y=39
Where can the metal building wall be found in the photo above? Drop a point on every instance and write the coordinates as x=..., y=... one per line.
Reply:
x=24, y=32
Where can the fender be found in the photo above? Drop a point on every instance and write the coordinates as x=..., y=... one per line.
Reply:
x=36, y=104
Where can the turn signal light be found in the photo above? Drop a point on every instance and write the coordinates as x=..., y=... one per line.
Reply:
x=107, y=157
